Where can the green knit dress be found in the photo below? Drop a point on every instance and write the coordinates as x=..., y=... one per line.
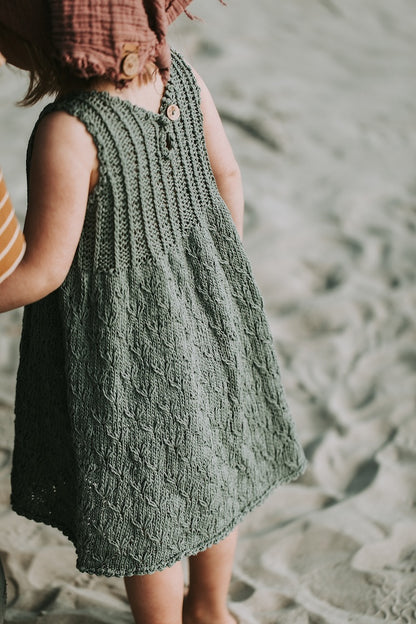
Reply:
x=150, y=415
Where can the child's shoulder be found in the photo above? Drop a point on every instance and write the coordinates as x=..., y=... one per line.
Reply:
x=61, y=135
x=57, y=125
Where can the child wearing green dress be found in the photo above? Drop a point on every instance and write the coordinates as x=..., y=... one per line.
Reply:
x=150, y=414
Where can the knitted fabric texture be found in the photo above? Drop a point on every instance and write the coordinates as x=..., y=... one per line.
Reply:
x=150, y=414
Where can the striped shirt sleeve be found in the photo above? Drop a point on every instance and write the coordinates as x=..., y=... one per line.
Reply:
x=12, y=242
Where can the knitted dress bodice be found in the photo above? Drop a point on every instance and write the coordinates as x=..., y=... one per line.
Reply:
x=150, y=414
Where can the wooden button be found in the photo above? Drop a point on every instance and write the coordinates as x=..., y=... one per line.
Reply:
x=173, y=112
x=130, y=65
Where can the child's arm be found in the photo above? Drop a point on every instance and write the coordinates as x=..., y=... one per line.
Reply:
x=63, y=160
x=223, y=163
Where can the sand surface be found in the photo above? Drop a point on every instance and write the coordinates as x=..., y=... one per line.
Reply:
x=319, y=102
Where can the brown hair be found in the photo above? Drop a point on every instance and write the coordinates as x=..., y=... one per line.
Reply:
x=48, y=77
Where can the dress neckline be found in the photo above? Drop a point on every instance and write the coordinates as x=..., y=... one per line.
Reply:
x=147, y=113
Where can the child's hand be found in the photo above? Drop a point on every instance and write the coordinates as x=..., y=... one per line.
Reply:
x=63, y=163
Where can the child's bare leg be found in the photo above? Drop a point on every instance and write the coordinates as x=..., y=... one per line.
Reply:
x=209, y=579
x=156, y=598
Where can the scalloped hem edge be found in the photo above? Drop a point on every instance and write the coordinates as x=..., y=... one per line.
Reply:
x=282, y=480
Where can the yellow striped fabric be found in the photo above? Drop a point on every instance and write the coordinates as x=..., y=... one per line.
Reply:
x=12, y=242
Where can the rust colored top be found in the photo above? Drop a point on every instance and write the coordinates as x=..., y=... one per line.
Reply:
x=116, y=28
x=93, y=37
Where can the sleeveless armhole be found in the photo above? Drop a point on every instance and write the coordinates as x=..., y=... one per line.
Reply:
x=190, y=87
x=179, y=60
x=76, y=105
x=193, y=90
x=71, y=109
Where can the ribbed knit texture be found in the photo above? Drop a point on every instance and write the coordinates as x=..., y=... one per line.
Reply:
x=150, y=415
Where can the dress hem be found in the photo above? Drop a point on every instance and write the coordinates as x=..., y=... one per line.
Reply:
x=179, y=556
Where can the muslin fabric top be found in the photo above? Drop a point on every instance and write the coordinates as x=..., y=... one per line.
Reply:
x=12, y=241
x=89, y=36
x=150, y=414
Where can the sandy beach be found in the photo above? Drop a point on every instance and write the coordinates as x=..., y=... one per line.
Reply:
x=318, y=99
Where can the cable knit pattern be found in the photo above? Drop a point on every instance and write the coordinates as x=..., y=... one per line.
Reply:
x=150, y=415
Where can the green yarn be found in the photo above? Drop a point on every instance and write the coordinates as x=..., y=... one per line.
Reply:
x=150, y=414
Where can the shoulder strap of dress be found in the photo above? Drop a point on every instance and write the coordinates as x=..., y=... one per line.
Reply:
x=187, y=85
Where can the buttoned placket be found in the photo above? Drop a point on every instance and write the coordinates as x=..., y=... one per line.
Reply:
x=167, y=137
